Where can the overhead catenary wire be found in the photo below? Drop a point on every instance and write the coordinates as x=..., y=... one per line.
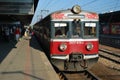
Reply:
x=112, y=13
x=88, y=3
x=105, y=8
x=53, y=5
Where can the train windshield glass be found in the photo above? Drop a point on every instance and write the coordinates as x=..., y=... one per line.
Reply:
x=61, y=30
x=90, y=29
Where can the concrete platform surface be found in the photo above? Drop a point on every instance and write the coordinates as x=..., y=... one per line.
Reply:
x=27, y=62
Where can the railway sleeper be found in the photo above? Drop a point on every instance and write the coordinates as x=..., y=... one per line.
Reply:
x=91, y=75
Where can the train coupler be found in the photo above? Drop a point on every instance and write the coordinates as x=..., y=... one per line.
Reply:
x=75, y=57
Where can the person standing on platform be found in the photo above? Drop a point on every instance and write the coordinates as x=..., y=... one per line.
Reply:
x=17, y=34
x=7, y=34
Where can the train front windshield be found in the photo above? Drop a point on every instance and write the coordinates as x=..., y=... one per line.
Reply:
x=84, y=29
x=67, y=30
x=75, y=29
x=90, y=29
x=61, y=29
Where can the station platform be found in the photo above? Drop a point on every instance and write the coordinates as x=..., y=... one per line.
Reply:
x=25, y=61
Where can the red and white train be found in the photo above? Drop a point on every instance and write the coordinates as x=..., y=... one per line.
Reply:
x=70, y=38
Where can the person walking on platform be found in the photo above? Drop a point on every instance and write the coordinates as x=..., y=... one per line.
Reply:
x=17, y=34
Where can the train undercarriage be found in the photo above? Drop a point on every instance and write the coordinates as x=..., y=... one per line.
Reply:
x=76, y=64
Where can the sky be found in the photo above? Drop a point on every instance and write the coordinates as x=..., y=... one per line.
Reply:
x=46, y=7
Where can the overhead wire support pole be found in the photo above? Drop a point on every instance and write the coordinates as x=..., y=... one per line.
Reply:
x=42, y=13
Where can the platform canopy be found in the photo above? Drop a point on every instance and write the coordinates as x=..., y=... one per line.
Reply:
x=19, y=7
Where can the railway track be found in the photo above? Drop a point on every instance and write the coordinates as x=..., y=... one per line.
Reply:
x=75, y=75
x=82, y=75
x=87, y=75
x=112, y=56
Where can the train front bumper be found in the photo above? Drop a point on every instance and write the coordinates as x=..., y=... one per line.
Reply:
x=67, y=57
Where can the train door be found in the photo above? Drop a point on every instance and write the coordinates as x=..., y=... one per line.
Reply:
x=76, y=29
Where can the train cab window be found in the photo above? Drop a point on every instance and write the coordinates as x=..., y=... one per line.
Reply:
x=90, y=29
x=61, y=30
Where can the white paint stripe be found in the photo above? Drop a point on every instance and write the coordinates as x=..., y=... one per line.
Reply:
x=73, y=20
x=61, y=57
x=62, y=20
x=67, y=57
x=91, y=56
x=68, y=40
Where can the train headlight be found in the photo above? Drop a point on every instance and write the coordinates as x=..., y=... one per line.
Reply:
x=63, y=47
x=76, y=9
x=89, y=46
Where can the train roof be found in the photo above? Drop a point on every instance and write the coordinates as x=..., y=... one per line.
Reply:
x=69, y=15
x=70, y=11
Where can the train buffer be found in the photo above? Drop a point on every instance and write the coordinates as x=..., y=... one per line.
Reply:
x=27, y=62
